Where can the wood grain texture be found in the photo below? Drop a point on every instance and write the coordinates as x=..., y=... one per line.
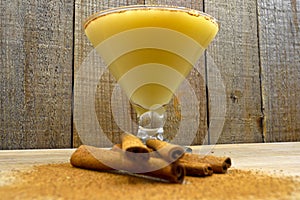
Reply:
x=194, y=4
x=257, y=52
x=283, y=158
x=235, y=52
x=35, y=74
x=280, y=68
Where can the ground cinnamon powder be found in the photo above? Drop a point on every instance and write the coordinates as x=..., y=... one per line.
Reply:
x=62, y=181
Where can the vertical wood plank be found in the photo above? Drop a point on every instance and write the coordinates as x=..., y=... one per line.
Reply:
x=280, y=65
x=36, y=73
x=36, y=70
x=194, y=4
x=235, y=52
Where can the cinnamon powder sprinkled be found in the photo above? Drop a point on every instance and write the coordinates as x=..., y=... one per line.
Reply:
x=62, y=181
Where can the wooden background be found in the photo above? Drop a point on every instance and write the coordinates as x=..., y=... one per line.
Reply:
x=43, y=45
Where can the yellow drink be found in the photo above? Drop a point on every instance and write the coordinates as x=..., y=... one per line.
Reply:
x=150, y=49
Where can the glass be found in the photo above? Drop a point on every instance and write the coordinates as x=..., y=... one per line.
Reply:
x=150, y=50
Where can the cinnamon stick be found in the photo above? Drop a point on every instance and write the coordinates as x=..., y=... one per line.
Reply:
x=134, y=148
x=172, y=172
x=152, y=152
x=117, y=147
x=197, y=169
x=168, y=151
x=218, y=164
x=87, y=158
x=93, y=158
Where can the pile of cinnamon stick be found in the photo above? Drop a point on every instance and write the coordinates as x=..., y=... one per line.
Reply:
x=156, y=159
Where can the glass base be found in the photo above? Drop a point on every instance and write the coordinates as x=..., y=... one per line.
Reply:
x=146, y=133
x=151, y=125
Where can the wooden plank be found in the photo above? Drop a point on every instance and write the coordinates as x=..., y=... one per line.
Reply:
x=107, y=83
x=17, y=160
x=282, y=158
x=235, y=52
x=280, y=63
x=35, y=100
x=36, y=74
x=272, y=164
x=194, y=4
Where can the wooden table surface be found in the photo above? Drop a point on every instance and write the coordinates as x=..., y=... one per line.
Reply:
x=279, y=158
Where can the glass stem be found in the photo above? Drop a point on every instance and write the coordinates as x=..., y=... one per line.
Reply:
x=151, y=125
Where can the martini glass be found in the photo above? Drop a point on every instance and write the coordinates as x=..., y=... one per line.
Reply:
x=150, y=50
